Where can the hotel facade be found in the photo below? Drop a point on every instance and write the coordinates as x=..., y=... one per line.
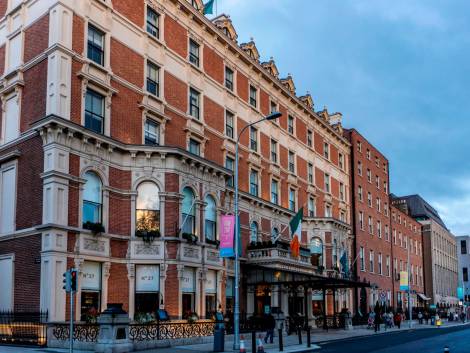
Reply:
x=117, y=147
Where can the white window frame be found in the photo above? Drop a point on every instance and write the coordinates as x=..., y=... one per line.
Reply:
x=13, y=165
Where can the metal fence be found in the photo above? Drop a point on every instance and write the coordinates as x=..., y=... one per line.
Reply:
x=23, y=328
x=81, y=332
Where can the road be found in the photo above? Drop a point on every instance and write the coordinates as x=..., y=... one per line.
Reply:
x=414, y=341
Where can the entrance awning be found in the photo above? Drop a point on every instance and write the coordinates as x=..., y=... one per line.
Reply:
x=423, y=297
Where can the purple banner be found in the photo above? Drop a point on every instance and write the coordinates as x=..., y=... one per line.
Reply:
x=227, y=226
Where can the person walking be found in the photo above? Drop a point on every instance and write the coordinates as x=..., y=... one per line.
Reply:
x=370, y=320
x=397, y=320
x=270, y=325
x=426, y=317
x=420, y=318
x=377, y=317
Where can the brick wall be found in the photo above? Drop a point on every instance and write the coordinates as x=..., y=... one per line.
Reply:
x=171, y=204
x=118, y=285
x=126, y=63
x=214, y=115
x=133, y=10
x=213, y=65
x=74, y=169
x=176, y=37
x=33, y=102
x=176, y=92
x=242, y=86
x=119, y=214
x=78, y=39
x=3, y=8
x=76, y=94
x=177, y=123
x=172, y=291
x=36, y=38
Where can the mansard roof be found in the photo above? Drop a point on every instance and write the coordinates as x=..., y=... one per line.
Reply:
x=250, y=49
x=289, y=83
x=271, y=67
x=224, y=22
x=307, y=100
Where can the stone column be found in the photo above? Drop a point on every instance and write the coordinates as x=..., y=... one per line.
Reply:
x=131, y=278
x=104, y=285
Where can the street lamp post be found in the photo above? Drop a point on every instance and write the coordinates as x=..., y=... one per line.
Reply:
x=236, y=311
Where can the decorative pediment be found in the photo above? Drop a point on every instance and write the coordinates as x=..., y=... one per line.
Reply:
x=198, y=4
x=289, y=83
x=307, y=100
x=224, y=22
x=271, y=67
x=250, y=49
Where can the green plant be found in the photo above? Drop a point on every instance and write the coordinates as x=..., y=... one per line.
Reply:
x=192, y=318
x=95, y=228
x=213, y=241
x=191, y=238
x=148, y=235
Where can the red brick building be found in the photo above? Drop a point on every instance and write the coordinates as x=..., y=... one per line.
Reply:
x=117, y=146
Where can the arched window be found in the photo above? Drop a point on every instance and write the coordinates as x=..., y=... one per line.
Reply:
x=274, y=234
x=254, y=232
x=92, y=198
x=210, y=218
x=188, y=212
x=316, y=251
x=147, y=211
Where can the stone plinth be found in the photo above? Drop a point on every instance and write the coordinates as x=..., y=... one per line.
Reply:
x=114, y=331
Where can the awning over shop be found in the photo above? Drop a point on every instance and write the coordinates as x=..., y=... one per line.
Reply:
x=423, y=297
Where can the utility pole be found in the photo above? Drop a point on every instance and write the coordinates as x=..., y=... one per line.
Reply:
x=409, y=287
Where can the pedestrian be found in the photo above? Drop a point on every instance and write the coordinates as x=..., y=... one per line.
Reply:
x=462, y=316
x=370, y=320
x=270, y=325
x=390, y=319
x=377, y=317
x=397, y=320
x=420, y=318
x=426, y=317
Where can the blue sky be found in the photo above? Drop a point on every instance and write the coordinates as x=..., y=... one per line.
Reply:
x=398, y=71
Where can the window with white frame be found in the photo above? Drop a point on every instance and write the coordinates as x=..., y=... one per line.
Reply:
x=188, y=212
x=7, y=197
x=292, y=199
x=369, y=199
x=230, y=165
x=14, y=51
x=274, y=234
x=378, y=203
x=194, y=147
x=387, y=232
x=194, y=103
x=153, y=78
x=92, y=199
x=254, y=182
x=273, y=106
x=379, y=264
x=151, y=133
x=341, y=192
x=326, y=150
x=95, y=48
x=229, y=82
x=377, y=181
x=359, y=168
x=290, y=124
x=274, y=151
x=371, y=261
x=254, y=232
x=387, y=266
x=253, y=96
x=385, y=187
x=386, y=209
x=210, y=219
x=94, y=111
x=309, y=138
x=275, y=191
x=359, y=193
x=153, y=22
x=291, y=162
x=362, y=259
x=194, y=52
x=361, y=220
x=369, y=176
x=328, y=212
x=229, y=124
x=371, y=226
x=359, y=146
x=6, y=294
x=342, y=216
x=253, y=139
x=379, y=229
x=316, y=251
x=327, y=183
x=310, y=173
x=11, y=119
x=311, y=207
x=341, y=161
x=395, y=236
x=368, y=154
x=147, y=215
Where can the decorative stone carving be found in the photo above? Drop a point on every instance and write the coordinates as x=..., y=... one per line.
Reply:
x=94, y=245
x=191, y=252
x=144, y=249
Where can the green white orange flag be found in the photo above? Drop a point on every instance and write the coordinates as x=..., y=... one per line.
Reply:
x=296, y=232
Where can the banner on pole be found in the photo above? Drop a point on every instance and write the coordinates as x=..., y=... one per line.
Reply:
x=403, y=280
x=227, y=227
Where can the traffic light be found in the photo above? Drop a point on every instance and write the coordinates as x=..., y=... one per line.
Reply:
x=73, y=280
x=67, y=281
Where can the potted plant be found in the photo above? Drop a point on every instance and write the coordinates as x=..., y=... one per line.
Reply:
x=192, y=318
x=95, y=228
x=191, y=238
x=147, y=235
x=215, y=242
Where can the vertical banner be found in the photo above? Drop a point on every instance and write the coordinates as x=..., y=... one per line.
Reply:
x=403, y=280
x=227, y=227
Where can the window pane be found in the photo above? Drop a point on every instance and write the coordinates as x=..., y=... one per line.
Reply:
x=92, y=189
x=152, y=133
x=152, y=22
x=188, y=199
x=148, y=197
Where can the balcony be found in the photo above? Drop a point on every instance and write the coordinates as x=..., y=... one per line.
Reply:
x=278, y=256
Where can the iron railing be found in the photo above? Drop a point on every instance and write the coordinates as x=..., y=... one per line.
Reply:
x=333, y=321
x=170, y=330
x=81, y=332
x=23, y=327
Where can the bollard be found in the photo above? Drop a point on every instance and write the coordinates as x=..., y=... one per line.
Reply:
x=281, y=344
x=309, y=344
x=299, y=332
x=446, y=349
x=253, y=341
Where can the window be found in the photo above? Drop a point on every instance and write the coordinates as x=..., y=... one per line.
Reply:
x=254, y=182
x=147, y=287
x=387, y=266
x=210, y=218
x=327, y=183
x=361, y=220
x=341, y=192
x=7, y=198
x=377, y=181
x=254, y=232
x=194, y=103
x=273, y=107
x=253, y=139
x=359, y=146
x=463, y=247
x=292, y=199
x=15, y=48
x=309, y=138
x=193, y=52
x=385, y=187
x=188, y=214
x=328, y=213
x=359, y=168
x=229, y=124
x=387, y=233
x=194, y=147
x=6, y=294
x=379, y=204
x=371, y=227
x=341, y=161
x=153, y=25
x=379, y=229
x=228, y=78
x=379, y=264
x=465, y=274
x=359, y=193
x=311, y=207
x=316, y=251
x=147, y=213
x=386, y=209
x=395, y=236
x=92, y=199
x=406, y=242
x=400, y=238
x=310, y=173
x=152, y=133
x=153, y=73
x=291, y=162
x=275, y=192
x=377, y=162
x=362, y=260
x=230, y=165
x=369, y=199
x=395, y=266
x=368, y=154
x=94, y=111
x=90, y=283
x=273, y=151
x=369, y=176
x=11, y=119
x=371, y=261
x=253, y=96
x=290, y=125
x=326, y=150
x=95, y=45
x=342, y=216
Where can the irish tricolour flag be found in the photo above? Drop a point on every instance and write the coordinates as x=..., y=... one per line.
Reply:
x=296, y=232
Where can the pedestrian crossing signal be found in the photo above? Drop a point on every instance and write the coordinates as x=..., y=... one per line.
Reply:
x=67, y=281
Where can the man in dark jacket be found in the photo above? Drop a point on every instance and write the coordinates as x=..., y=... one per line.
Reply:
x=270, y=325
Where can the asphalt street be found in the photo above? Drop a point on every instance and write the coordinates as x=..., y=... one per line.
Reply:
x=412, y=341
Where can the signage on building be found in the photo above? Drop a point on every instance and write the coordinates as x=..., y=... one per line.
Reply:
x=460, y=294
x=188, y=281
x=317, y=295
x=403, y=280
x=227, y=226
x=211, y=282
x=90, y=276
x=147, y=278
